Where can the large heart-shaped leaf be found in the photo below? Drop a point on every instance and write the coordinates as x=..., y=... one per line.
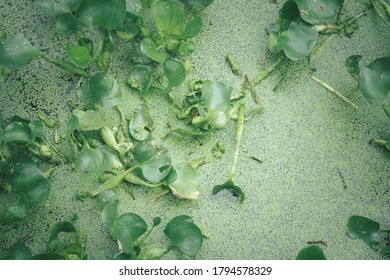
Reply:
x=141, y=78
x=149, y=48
x=168, y=16
x=319, y=11
x=312, y=252
x=141, y=125
x=100, y=88
x=97, y=160
x=154, y=160
x=55, y=7
x=175, y=72
x=183, y=182
x=375, y=81
x=16, y=51
x=216, y=95
x=363, y=228
x=79, y=55
x=184, y=234
x=128, y=228
x=108, y=14
x=18, y=132
x=298, y=40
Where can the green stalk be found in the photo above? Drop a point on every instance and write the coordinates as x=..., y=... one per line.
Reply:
x=67, y=66
x=386, y=6
x=379, y=13
x=58, y=152
x=239, y=131
x=379, y=142
x=262, y=75
x=334, y=91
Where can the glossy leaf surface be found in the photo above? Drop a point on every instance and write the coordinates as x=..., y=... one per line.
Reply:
x=216, y=95
x=175, y=72
x=319, y=11
x=168, y=16
x=97, y=160
x=18, y=132
x=55, y=7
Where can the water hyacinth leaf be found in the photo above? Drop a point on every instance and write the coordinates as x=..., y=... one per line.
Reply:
x=134, y=6
x=86, y=120
x=216, y=95
x=100, y=88
x=168, y=16
x=20, y=207
x=288, y=13
x=156, y=221
x=16, y=51
x=128, y=228
x=79, y=55
x=141, y=125
x=18, y=132
x=29, y=180
x=230, y=186
x=55, y=7
x=175, y=72
x=217, y=119
x=18, y=252
x=186, y=133
x=187, y=48
x=375, y=81
x=352, y=64
x=67, y=24
x=141, y=78
x=149, y=48
x=97, y=160
x=312, y=252
x=199, y=5
x=154, y=160
x=319, y=11
x=184, y=234
x=183, y=182
x=298, y=40
x=110, y=213
x=193, y=27
x=130, y=27
x=108, y=14
x=363, y=228
x=123, y=257
x=58, y=228
x=106, y=198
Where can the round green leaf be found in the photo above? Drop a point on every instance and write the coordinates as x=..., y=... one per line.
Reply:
x=175, y=72
x=141, y=125
x=168, y=16
x=67, y=24
x=184, y=234
x=149, y=48
x=110, y=213
x=312, y=252
x=363, y=228
x=32, y=182
x=79, y=55
x=16, y=51
x=193, y=27
x=98, y=160
x=187, y=48
x=298, y=40
x=17, y=132
x=100, y=88
x=183, y=182
x=319, y=11
x=108, y=14
x=375, y=81
x=141, y=78
x=216, y=95
x=134, y=6
x=352, y=64
x=128, y=228
x=55, y=7
x=154, y=160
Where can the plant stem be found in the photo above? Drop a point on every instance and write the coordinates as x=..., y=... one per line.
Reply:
x=67, y=66
x=59, y=153
x=254, y=94
x=379, y=13
x=239, y=131
x=334, y=91
x=379, y=142
x=261, y=76
x=386, y=6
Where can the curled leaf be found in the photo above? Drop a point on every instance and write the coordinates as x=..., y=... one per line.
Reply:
x=183, y=182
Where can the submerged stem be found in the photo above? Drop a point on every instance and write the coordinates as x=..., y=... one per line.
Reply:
x=334, y=91
x=239, y=131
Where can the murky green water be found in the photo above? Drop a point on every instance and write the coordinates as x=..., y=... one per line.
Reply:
x=318, y=168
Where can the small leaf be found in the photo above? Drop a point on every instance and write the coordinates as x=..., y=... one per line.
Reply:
x=110, y=213
x=156, y=221
x=18, y=252
x=375, y=81
x=216, y=95
x=79, y=55
x=363, y=228
x=98, y=160
x=20, y=207
x=175, y=72
x=67, y=24
x=108, y=14
x=63, y=226
x=312, y=252
x=229, y=185
x=183, y=182
x=55, y=7
x=217, y=119
x=37, y=128
x=184, y=234
x=319, y=11
x=186, y=134
x=168, y=16
x=149, y=48
x=106, y=198
x=352, y=64
x=187, y=48
x=193, y=27
x=141, y=125
x=128, y=228
x=16, y=51
x=141, y=78
x=20, y=133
